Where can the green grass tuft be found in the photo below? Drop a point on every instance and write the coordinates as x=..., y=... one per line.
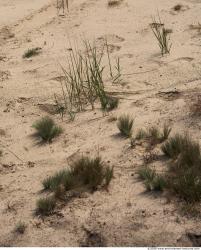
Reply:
x=45, y=206
x=88, y=173
x=46, y=129
x=152, y=180
x=125, y=125
x=173, y=147
x=32, y=52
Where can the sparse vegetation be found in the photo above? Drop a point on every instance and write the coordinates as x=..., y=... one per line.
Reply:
x=158, y=183
x=184, y=176
x=125, y=125
x=162, y=36
x=83, y=80
x=109, y=172
x=83, y=83
x=32, y=52
x=141, y=134
x=46, y=129
x=152, y=180
x=84, y=174
x=115, y=72
x=63, y=177
x=20, y=227
x=173, y=147
x=45, y=206
x=154, y=135
x=146, y=173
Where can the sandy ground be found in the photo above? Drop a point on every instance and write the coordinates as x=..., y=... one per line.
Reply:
x=155, y=90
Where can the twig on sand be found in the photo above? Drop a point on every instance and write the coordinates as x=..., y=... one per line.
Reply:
x=11, y=152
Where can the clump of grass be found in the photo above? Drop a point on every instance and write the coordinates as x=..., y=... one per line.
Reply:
x=86, y=172
x=152, y=180
x=82, y=82
x=185, y=167
x=109, y=103
x=158, y=183
x=32, y=52
x=173, y=147
x=165, y=133
x=109, y=173
x=20, y=227
x=146, y=173
x=125, y=125
x=113, y=3
x=45, y=206
x=188, y=186
x=162, y=36
x=154, y=135
x=141, y=134
x=46, y=129
x=64, y=177
x=89, y=172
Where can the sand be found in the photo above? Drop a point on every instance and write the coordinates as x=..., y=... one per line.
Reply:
x=154, y=90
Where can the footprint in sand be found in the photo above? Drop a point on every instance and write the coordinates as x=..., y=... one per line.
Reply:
x=111, y=38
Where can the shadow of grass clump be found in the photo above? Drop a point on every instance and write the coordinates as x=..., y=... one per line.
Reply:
x=46, y=129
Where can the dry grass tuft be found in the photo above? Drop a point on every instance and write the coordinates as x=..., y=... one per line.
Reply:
x=114, y=3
